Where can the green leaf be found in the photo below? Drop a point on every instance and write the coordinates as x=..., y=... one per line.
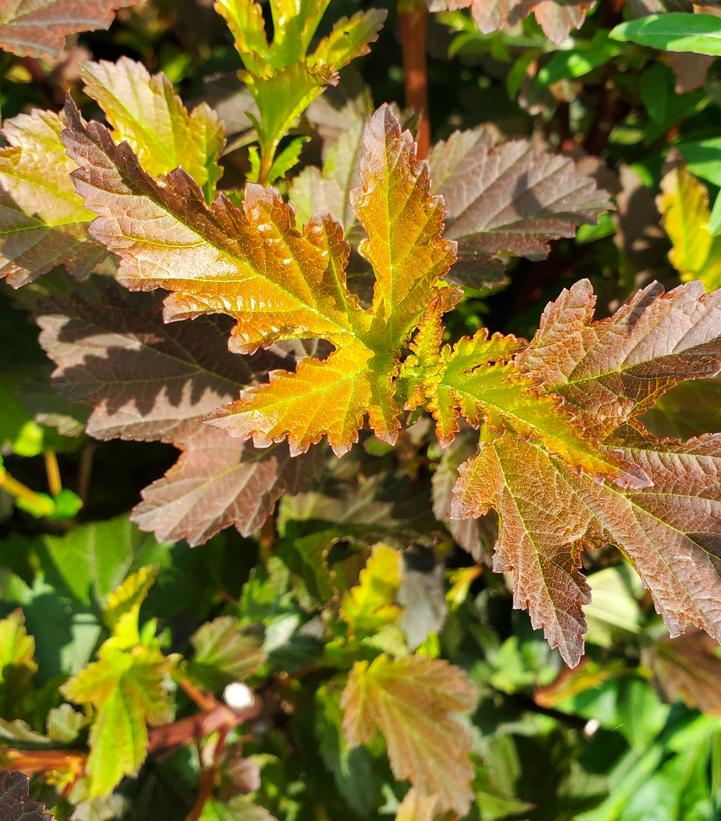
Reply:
x=122, y=607
x=17, y=661
x=224, y=653
x=371, y=604
x=127, y=691
x=698, y=33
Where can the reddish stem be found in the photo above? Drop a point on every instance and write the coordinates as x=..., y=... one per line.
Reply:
x=413, y=20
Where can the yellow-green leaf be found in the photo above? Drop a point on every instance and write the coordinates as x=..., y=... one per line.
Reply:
x=371, y=604
x=684, y=206
x=17, y=661
x=145, y=111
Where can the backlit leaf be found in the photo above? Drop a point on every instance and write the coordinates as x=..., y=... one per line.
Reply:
x=684, y=206
x=509, y=199
x=688, y=668
x=417, y=807
x=412, y=701
x=127, y=692
x=371, y=604
x=42, y=220
x=38, y=28
x=549, y=514
x=282, y=77
x=145, y=111
x=279, y=283
x=122, y=607
x=698, y=33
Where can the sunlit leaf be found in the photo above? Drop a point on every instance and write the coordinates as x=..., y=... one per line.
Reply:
x=412, y=701
x=145, y=111
x=43, y=221
x=371, y=604
x=17, y=661
x=684, y=205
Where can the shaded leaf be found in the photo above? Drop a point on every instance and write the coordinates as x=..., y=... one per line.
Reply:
x=411, y=701
x=509, y=199
x=17, y=661
x=38, y=28
x=145, y=111
x=688, y=668
x=224, y=653
x=102, y=347
x=43, y=221
x=15, y=802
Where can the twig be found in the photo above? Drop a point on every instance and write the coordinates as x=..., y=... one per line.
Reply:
x=52, y=469
x=413, y=21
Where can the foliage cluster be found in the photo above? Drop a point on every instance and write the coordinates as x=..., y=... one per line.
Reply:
x=443, y=430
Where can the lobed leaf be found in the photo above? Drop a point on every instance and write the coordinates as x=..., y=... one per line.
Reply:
x=147, y=380
x=279, y=283
x=412, y=701
x=549, y=514
x=509, y=199
x=126, y=689
x=688, y=668
x=608, y=371
x=145, y=111
x=38, y=28
x=223, y=653
x=43, y=222
x=371, y=604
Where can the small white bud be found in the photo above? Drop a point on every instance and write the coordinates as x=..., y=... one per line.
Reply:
x=238, y=696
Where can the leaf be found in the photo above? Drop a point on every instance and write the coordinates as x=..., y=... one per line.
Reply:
x=15, y=802
x=509, y=199
x=697, y=33
x=668, y=529
x=38, y=28
x=684, y=206
x=688, y=668
x=371, y=604
x=217, y=482
x=239, y=808
x=92, y=559
x=556, y=17
x=417, y=807
x=411, y=701
x=477, y=378
x=145, y=111
x=477, y=536
x=610, y=370
x=64, y=724
x=126, y=690
x=302, y=294
x=353, y=770
x=102, y=346
x=17, y=661
x=282, y=77
x=224, y=653
x=122, y=607
x=329, y=192
x=44, y=223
